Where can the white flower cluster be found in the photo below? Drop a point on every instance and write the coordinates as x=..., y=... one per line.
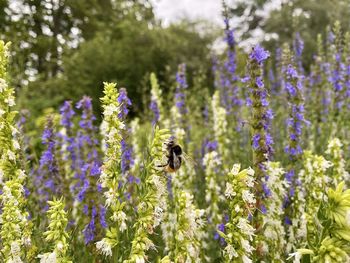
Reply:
x=239, y=231
x=220, y=123
x=335, y=151
x=137, y=152
x=212, y=163
x=161, y=197
x=188, y=231
x=15, y=230
x=274, y=216
x=104, y=247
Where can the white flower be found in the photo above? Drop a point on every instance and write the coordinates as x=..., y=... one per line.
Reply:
x=296, y=255
x=2, y=112
x=1, y=176
x=110, y=197
x=21, y=174
x=248, y=197
x=246, y=246
x=10, y=100
x=48, y=258
x=104, y=247
x=249, y=181
x=235, y=169
x=158, y=214
x=3, y=85
x=237, y=208
x=110, y=109
x=231, y=252
x=229, y=192
x=250, y=171
x=140, y=259
x=15, y=249
x=14, y=131
x=247, y=229
x=15, y=144
x=245, y=259
x=120, y=217
x=11, y=155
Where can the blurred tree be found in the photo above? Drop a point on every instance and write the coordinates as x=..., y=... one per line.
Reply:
x=308, y=17
x=63, y=49
x=41, y=30
x=124, y=53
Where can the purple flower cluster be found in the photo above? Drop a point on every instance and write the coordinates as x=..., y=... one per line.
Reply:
x=88, y=171
x=125, y=103
x=127, y=160
x=87, y=117
x=337, y=78
x=155, y=109
x=48, y=180
x=228, y=77
x=296, y=120
x=67, y=114
x=261, y=117
x=298, y=45
x=180, y=89
x=230, y=64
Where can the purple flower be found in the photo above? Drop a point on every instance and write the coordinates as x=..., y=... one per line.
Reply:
x=181, y=86
x=245, y=79
x=48, y=180
x=67, y=114
x=287, y=221
x=89, y=230
x=103, y=216
x=154, y=107
x=259, y=82
x=256, y=141
x=298, y=45
x=87, y=116
x=259, y=54
x=125, y=103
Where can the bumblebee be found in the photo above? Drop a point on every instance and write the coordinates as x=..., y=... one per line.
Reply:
x=174, y=156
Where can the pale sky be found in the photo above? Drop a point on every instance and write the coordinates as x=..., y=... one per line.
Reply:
x=173, y=10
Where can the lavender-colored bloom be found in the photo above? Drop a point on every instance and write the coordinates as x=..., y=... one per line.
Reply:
x=330, y=37
x=67, y=138
x=245, y=79
x=154, y=108
x=287, y=221
x=259, y=54
x=102, y=216
x=88, y=170
x=293, y=87
x=180, y=88
x=87, y=117
x=127, y=160
x=48, y=180
x=125, y=103
x=256, y=141
x=89, y=230
x=211, y=146
x=298, y=45
x=259, y=82
x=261, y=139
x=67, y=114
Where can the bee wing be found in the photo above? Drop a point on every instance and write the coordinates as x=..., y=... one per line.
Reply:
x=176, y=161
x=188, y=160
